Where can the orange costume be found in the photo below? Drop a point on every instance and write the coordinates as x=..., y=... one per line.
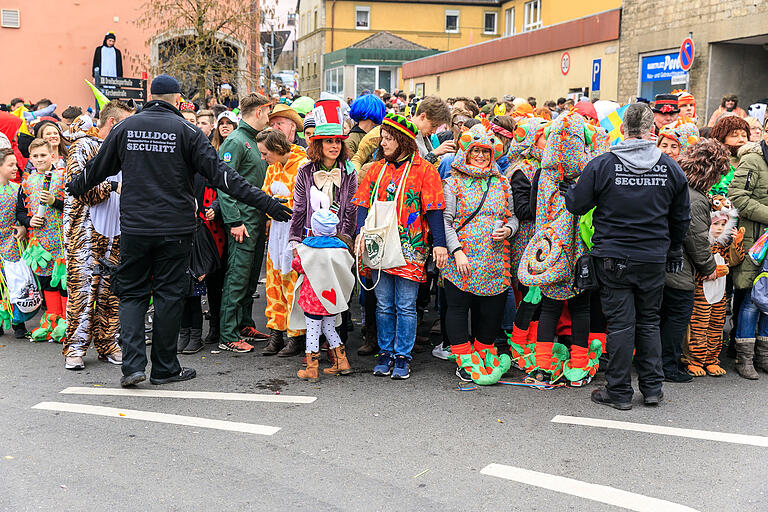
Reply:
x=281, y=278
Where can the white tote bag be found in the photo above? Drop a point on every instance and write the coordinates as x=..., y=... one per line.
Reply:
x=23, y=290
x=381, y=235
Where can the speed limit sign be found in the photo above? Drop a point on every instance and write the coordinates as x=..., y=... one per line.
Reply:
x=565, y=63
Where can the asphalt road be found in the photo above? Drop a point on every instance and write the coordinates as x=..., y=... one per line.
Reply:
x=366, y=443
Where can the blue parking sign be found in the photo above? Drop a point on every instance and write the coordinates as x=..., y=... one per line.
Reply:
x=596, y=67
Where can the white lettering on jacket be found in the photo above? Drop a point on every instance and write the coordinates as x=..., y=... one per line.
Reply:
x=151, y=141
x=656, y=177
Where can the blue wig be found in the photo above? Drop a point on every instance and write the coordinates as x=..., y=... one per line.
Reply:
x=368, y=106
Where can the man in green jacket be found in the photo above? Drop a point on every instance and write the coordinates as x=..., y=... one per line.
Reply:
x=246, y=226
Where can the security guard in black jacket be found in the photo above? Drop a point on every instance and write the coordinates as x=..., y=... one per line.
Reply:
x=641, y=217
x=159, y=153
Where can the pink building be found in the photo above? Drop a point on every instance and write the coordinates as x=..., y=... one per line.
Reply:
x=49, y=46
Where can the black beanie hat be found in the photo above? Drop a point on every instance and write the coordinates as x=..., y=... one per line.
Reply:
x=164, y=84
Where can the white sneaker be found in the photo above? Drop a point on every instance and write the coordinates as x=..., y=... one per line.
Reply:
x=440, y=353
x=74, y=363
x=116, y=358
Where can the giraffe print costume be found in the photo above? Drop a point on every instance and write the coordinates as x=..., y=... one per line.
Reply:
x=281, y=278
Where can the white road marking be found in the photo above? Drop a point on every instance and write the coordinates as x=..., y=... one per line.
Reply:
x=190, y=421
x=594, y=492
x=725, y=437
x=201, y=395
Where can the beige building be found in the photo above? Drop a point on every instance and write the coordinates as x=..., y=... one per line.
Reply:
x=577, y=57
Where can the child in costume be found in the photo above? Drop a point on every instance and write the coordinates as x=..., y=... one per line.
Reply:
x=323, y=289
x=11, y=232
x=42, y=195
x=548, y=260
x=702, y=352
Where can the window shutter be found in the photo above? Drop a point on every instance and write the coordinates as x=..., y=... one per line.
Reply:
x=10, y=18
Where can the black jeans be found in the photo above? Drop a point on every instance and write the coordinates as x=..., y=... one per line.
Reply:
x=152, y=266
x=215, y=284
x=192, y=316
x=676, y=309
x=631, y=302
x=551, y=310
x=487, y=313
x=526, y=312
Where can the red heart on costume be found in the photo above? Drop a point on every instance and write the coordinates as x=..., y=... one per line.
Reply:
x=329, y=295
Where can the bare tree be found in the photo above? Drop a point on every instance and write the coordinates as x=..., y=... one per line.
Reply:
x=203, y=41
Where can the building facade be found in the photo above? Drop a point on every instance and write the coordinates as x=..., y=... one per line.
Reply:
x=731, y=50
x=326, y=26
x=579, y=56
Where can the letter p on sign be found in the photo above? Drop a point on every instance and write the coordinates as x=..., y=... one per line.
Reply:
x=596, y=67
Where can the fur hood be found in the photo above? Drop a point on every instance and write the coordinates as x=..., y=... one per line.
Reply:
x=750, y=147
x=720, y=205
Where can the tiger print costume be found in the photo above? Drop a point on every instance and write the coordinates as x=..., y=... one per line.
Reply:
x=92, y=309
x=701, y=352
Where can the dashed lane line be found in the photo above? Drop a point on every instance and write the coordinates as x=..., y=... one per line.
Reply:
x=199, y=395
x=158, y=417
x=586, y=490
x=725, y=437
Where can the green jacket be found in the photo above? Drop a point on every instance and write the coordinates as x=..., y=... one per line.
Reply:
x=749, y=194
x=239, y=151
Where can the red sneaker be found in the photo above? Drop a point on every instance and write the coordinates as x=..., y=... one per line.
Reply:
x=251, y=334
x=239, y=346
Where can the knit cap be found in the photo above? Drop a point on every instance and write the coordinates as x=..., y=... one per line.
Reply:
x=324, y=223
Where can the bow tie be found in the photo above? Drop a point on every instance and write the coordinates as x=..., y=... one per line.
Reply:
x=324, y=179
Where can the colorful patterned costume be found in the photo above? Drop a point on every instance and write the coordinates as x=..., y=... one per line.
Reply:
x=9, y=246
x=422, y=192
x=281, y=278
x=702, y=350
x=489, y=259
x=550, y=256
x=92, y=309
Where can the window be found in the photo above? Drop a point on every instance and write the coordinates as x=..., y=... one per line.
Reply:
x=509, y=22
x=315, y=67
x=362, y=18
x=385, y=79
x=489, y=23
x=532, y=15
x=10, y=18
x=452, y=22
x=314, y=27
x=334, y=80
x=365, y=78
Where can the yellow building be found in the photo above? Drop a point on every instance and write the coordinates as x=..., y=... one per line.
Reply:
x=327, y=26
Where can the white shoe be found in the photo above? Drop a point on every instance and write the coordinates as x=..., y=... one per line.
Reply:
x=440, y=353
x=116, y=358
x=74, y=363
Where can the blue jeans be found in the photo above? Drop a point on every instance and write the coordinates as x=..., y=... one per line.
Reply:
x=510, y=310
x=750, y=319
x=396, y=318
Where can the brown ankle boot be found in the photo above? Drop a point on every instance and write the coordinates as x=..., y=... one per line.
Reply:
x=310, y=372
x=745, y=354
x=340, y=363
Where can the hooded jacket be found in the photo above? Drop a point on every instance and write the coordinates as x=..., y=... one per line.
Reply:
x=749, y=194
x=97, y=58
x=9, y=126
x=641, y=202
x=159, y=153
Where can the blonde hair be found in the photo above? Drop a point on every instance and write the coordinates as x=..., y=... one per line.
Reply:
x=37, y=143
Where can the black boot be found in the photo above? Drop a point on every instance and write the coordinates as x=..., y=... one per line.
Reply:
x=195, y=344
x=213, y=332
x=294, y=347
x=275, y=343
x=183, y=340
